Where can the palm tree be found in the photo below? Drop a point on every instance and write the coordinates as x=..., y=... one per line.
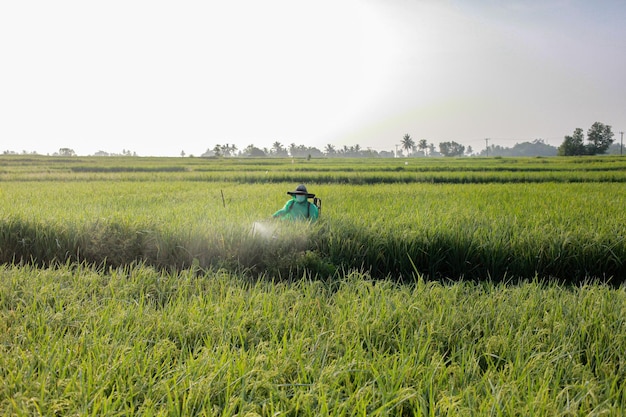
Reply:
x=329, y=149
x=422, y=145
x=408, y=144
x=277, y=148
x=228, y=150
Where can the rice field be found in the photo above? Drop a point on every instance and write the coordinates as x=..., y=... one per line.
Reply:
x=571, y=229
x=140, y=286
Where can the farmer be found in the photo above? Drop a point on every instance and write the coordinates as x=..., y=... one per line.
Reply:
x=299, y=207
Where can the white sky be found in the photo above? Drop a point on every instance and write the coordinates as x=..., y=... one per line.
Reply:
x=159, y=77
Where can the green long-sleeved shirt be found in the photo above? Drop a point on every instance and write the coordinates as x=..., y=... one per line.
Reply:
x=298, y=211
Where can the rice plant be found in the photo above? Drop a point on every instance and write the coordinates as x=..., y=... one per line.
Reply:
x=436, y=287
x=135, y=341
x=570, y=232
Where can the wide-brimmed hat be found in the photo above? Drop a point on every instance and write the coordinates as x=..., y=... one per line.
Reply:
x=301, y=190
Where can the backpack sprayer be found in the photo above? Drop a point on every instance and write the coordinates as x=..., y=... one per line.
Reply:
x=318, y=204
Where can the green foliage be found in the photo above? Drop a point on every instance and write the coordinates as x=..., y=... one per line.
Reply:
x=451, y=149
x=134, y=341
x=408, y=144
x=536, y=148
x=599, y=136
x=573, y=145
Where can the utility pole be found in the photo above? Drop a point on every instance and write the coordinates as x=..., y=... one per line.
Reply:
x=621, y=142
x=487, y=145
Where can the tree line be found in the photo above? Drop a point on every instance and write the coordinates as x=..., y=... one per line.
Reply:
x=599, y=140
x=406, y=148
x=279, y=150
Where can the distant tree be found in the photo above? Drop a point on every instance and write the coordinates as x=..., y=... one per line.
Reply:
x=535, y=148
x=217, y=150
x=422, y=145
x=252, y=150
x=229, y=150
x=600, y=137
x=353, y=151
x=369, y=153
x=329, y=150
x=451, y=149
x=293, y=149
x=278, y=149
x=432, y=151
x=314, y=152
x=66, y=152
x=573, y=145
x=182, y=154
x=208, y=153
x=301, y=151
x=408, y=144
x=298, y=150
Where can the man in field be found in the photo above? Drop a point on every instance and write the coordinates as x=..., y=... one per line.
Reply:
x=299, y=207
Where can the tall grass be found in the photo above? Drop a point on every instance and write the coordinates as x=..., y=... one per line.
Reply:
x=570, y=232
x=164, y=301
x=135, y=341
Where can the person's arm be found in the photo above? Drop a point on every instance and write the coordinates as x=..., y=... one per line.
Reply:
x=284, y=210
